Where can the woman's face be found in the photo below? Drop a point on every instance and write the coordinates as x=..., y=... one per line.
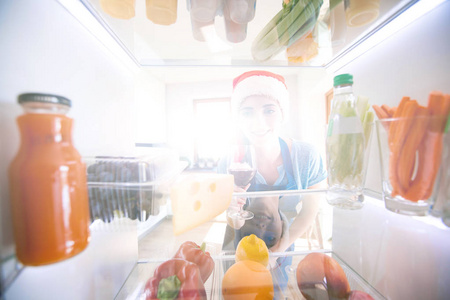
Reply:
x=260, y=119
x=267, y=223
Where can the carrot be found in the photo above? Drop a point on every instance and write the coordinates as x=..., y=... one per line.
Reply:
x=407, y=157
x=421, y=187
x=438, y=109
x=447, y=102
x=430, y=150
x=384, y=112
x=381, y=113
x=445, y=110
x=402, y=130
x=415, y=145
x=392, y=111
x=389, y=111
x=398, y=113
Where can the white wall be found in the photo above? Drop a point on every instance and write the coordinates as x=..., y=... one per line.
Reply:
x=150, y=107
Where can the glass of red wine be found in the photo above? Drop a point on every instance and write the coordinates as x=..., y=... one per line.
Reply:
x=241, y=164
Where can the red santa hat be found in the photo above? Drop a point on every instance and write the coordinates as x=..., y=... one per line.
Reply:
x=262, y=83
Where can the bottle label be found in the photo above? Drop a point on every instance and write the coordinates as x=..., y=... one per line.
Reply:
x=346, y=125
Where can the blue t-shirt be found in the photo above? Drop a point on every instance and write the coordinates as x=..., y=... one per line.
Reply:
x=307, y=166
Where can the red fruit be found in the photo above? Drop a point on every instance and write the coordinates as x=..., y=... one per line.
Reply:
x=319, y=276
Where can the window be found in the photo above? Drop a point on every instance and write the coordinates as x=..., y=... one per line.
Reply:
x=212, y=129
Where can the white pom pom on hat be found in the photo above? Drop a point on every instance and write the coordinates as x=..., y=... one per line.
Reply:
x=263, y=83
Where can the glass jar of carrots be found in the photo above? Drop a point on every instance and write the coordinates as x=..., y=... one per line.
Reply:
x=48, y=188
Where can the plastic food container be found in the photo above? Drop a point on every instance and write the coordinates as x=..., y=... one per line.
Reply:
x=236, y=32
x=201, y=29
x=241, y=11
x=203, y=10
x=361, y=12
x=131, y=187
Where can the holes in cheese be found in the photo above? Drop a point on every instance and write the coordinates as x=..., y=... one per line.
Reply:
x=197, y=205
x=198, y=198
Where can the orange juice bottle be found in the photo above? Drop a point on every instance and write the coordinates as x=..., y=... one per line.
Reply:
x=48, y=188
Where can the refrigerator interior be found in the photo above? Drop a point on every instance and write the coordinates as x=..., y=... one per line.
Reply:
x=120, y=101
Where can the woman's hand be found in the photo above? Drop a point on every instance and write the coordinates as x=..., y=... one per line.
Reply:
x=236, y=205
x=238, y=202
x=280, y=246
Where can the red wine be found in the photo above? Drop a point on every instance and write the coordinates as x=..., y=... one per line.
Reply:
x=242, y=177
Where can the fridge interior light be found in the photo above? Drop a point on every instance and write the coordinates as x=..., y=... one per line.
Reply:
x=413, y=13
x=92, y=24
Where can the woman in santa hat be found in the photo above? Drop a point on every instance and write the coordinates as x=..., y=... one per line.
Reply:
x=260, y=103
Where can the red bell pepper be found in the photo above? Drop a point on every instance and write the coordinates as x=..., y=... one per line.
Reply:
x=192, y=252
x=175, y=279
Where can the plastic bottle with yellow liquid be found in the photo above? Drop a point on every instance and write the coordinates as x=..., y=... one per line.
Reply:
x=361, y=12
x=162, y=12
x=120, y=9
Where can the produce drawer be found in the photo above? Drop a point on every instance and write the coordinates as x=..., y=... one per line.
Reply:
x=286, y=290
x=131, y=187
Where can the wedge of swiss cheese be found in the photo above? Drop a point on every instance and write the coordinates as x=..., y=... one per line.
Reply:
x=198, y=198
